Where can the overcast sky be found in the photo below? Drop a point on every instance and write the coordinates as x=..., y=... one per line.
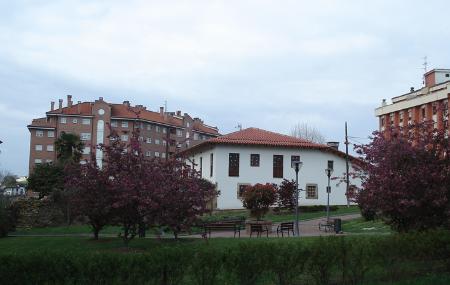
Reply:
x=266, y=64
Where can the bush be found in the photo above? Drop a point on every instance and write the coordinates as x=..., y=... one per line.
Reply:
x=206, y=265
x=8, y=216
x=322, y=258
x=285, y=194
x=258, y=198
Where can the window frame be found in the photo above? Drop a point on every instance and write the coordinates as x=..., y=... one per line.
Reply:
x=255, y=160
x=233, y=164
x=316, y=197
x=278, y=168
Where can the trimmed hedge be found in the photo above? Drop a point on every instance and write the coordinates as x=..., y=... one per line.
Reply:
x=335, y=260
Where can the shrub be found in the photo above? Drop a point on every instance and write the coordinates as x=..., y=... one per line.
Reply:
x=287, y=260
x=322, y=258
x=285, y=194
x=8, y=217
x=258, y=198
x=206, y=265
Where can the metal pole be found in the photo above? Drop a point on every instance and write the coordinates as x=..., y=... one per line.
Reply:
x=346, y=166
x=328, y=198
x=297, y=230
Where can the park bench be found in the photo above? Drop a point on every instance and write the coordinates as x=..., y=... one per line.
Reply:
x=285, y=228
x=258, y=229
x=228, y=225
x=326, y=226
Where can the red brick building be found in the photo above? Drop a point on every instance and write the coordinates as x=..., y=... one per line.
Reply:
x=162, y=133
x=426, y=104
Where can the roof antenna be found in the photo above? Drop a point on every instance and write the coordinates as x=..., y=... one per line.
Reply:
x=239, y=126
x=165, y=105
x=425, y=65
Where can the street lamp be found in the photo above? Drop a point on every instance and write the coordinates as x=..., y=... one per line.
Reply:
x=296, y=164
x=328, y=172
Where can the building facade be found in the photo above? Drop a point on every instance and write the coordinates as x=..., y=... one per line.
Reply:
x=430, y=103
x=162, y=133
x=253, y=156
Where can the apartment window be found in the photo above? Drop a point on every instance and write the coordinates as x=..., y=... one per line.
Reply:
x=201, y=166
x=157, y=129
x=124, y=138
x=149, y=140
x=277, y=166
x=124, y=124
x=233, y=164
x=254, y=159
x=311, y=191
x=39, y=133
x=148, y=153
x=38, y=147
x=156, y=141
x=401, y=117
x=241, y=189
x=179, y=133
x=38, y=161
x=86, y=121
x=141, y=139
x=211, y=165
x=63, y=120
x=86, y=150
x=187, y=135
x=187, y=124
x=156, y=154
x=163, y=155
x=195, y=136
x=114, y=124
x=50, y=147
x=51, y=134
x=447, y=75
x=164, y=142
x=382, y=121
x=85, y=136
x=149, y=127
x=423, y=113
x=164, y=130
x=391, y=118
x=75, y=121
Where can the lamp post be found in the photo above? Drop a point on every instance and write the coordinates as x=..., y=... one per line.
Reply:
x=328, y=172
x=297, y=165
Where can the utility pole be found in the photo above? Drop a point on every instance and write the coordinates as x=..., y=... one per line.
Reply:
x=346, y=165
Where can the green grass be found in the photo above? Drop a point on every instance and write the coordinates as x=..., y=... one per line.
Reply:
x=69, y=230
x=362, y=226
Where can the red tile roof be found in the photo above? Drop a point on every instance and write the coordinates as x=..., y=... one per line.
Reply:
x=255, y=136
x=41, y=123
x=84, y=109
x=200, y=127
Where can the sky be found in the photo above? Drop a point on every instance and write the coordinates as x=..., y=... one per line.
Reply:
x=265, y=64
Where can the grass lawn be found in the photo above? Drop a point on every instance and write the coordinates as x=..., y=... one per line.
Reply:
x=360, y=225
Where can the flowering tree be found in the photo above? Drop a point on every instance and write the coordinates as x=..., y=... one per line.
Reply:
x=258, y=198
x=285, y=194
x=406, y=178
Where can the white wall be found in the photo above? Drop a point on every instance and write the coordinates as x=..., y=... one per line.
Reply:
x=313, y=171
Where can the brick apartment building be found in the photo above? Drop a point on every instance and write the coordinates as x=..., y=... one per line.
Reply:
x=162, y=133
x=426, y=104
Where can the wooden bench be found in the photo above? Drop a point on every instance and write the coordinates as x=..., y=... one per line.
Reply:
x=258, y=229
x=285, y=227
x=229, y=225
x=327, y=227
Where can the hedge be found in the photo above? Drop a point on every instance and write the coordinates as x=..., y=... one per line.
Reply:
x=335, y=260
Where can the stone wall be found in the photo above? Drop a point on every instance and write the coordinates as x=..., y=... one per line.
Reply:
x=38, y=213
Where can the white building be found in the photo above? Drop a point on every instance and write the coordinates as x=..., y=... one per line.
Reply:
x=253, y=156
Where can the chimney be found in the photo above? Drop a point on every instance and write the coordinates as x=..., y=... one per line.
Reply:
x=100, y=98
x=179, y=113
x=52, y=105
x=161, y=111
x=127, y=103
x=60, y=103
x=383, y=103
x=78, y=107
x=411, y=89
x=334, y=145
x=69, y=100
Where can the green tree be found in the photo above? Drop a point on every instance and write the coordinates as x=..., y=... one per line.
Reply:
x=46, y=178
x=69, y=148
x=9, y=181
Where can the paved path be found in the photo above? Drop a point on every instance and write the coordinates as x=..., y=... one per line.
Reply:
x=307, y=228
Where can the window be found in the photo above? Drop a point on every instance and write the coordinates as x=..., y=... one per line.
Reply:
x=38, y=147
x=51, y=134
x=164, y=142
x=211, y=159
x=277, y=166
x=141, y=139
x=63, y=120
x=241, y=188
x=149, y=140
x=149, y=127
x=187, y=123
x=195, y=136
x=124, y=124
x=85, y=136
x=50, y=147
x=447, y=75
x=434, y=109
x=86, y=121
x=179, y=133
x=233, y=164
x=187, y=135
x=254, y=160
x=86, y=150
x=156, y=154
x=311, y=191
x=164, y=130
x=423, y=113
x=39, y=133
x=148, y=153
x=391, y=118
x=124, y=138
x=294, y=158
x=75, y=121
x=201, y=166
x=401, y=117
x=114, y=124
x=38, y=160
x=163, y=155
x=157, y=129
x=156, y=141
x=48, y=161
